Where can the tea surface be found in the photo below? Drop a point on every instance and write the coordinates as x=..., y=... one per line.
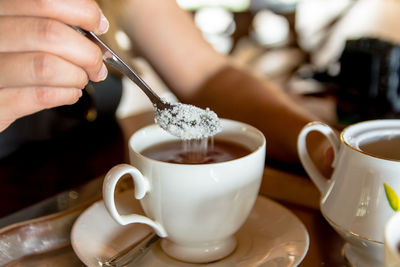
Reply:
x=387, y=147
x=196, y=151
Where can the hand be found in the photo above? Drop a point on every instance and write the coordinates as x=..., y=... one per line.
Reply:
x=45, y=63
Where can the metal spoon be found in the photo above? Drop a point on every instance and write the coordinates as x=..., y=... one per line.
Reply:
x=132, y=253
x=109, y=56
x=182, y=120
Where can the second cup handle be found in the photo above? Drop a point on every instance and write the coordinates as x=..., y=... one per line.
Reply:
x=319, y=180
x=142, y=186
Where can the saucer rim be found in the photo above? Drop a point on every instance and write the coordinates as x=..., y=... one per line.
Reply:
x=299, y=223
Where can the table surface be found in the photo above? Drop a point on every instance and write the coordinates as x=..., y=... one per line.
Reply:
x=293, y=190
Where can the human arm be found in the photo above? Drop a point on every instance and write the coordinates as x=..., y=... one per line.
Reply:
x=43, y=62
x=199, y=75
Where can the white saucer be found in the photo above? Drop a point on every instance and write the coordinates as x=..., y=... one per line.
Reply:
x=271, y=236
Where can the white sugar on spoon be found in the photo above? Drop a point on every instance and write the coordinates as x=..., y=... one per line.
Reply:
x=188, y=122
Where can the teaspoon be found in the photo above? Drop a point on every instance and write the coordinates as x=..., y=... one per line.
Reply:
x=182, y=120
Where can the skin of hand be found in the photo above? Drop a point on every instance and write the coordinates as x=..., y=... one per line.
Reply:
x=45, y=63
x=199, y=75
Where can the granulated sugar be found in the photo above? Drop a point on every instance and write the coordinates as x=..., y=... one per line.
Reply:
x=188, y=122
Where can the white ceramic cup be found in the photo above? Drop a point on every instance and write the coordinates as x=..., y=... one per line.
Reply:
x=196, y=208
x=360, y=196
x=392, y=241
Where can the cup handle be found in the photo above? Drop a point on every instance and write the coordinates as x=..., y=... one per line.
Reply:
x=142, y=186
x=319, y=180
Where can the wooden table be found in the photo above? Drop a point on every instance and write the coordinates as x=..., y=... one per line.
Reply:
x=294, y=191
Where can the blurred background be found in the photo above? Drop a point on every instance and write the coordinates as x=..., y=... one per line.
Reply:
x=339, y=58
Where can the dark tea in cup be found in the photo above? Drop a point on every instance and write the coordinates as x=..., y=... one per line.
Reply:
x=196, y=151
x=387, y=147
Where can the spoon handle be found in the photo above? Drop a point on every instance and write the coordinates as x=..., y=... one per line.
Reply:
x=110, y=57
x=133, y=252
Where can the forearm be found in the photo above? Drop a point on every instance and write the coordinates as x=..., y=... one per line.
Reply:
x=171, y=42
x=240, y=95
x=197, y=74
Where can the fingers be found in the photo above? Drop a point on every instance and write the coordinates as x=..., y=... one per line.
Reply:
x=83, y=13
x=18, y=102
x=43, y=61
x=39, y=69
x=50, y=36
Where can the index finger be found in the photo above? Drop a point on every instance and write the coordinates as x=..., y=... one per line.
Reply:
x=82, y=13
